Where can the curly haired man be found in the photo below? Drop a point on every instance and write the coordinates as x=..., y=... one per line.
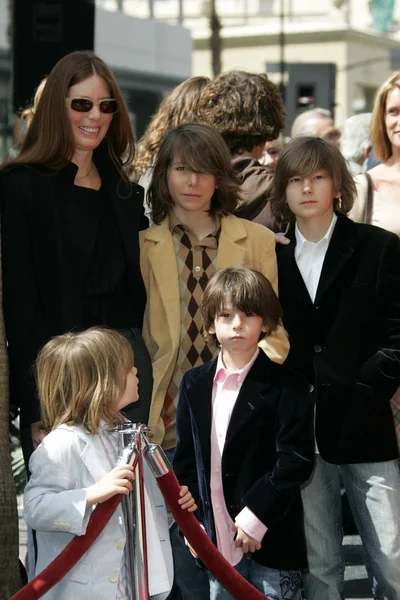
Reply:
x=247, y=110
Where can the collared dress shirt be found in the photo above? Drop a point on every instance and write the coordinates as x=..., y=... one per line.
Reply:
x=310, y=257
x=196, y=262
x=226, y=387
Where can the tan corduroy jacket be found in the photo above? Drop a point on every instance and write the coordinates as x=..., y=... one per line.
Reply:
x=241, y=243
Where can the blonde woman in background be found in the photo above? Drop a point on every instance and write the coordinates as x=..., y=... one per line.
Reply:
x=382, y=205
x=21, y=123
x=385, y=136
x=28, y=113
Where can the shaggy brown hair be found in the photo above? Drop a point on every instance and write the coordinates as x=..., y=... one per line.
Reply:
x=49, y=140
x=81, y=377
x=246, y=109
x=301, y=157
x=245, y=289
x=380, y=141
x=202, y=150
x=179, y=106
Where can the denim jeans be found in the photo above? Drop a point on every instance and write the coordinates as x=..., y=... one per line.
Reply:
x=275, y=584
x=190, y=580
x=373, y=490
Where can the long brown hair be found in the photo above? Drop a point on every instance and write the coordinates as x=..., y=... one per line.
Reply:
x=202, y=150
x=303, y=156
x=179, y=106
x=380, y=141
x=49, y=141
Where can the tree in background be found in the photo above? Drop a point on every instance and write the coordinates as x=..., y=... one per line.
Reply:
x=10, y=579
x=215, y=39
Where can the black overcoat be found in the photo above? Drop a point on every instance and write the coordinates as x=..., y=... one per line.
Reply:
x=48, y=238
x=347, y=342
x=268, y=454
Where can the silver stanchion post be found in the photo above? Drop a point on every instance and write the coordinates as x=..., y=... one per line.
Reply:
x=140, y=547
x=155, y=457
x=133, y=447
x=129, y=452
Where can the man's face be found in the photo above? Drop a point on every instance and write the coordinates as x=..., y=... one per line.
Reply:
x=325, y=129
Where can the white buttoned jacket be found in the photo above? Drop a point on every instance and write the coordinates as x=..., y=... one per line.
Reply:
x=68, y=461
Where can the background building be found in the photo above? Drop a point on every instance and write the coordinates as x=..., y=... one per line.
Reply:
x=333, y=52
x=329, y=53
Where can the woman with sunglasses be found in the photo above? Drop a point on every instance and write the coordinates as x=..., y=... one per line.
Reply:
x=70, y=222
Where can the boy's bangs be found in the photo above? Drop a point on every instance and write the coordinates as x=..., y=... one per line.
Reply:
x=194, y=155
x=312, y=158
x=240, y=298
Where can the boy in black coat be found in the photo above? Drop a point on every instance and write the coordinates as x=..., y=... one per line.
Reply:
x=245, y=439
x=339, y=285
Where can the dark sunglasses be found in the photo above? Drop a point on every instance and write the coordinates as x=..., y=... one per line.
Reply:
x=107, y=106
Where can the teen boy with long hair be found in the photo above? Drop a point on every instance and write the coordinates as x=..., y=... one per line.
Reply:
x=339, y=285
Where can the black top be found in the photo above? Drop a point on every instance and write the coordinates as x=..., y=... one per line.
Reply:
x=53, y=254
x=105, y=300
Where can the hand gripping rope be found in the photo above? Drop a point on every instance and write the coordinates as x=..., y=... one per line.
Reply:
x=135, y=448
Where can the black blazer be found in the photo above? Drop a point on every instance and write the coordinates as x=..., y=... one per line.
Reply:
x=347, y=343
x=268, y=453
x=47, y=243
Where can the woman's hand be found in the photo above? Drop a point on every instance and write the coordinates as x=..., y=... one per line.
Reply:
x=186, y=499
x=117, y=481
x=38, y=434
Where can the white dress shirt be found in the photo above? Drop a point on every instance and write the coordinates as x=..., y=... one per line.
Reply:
x=310, y=257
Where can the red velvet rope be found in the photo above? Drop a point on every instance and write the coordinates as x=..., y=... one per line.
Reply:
x=71, y=554
x=205, y=549
x=197, y=538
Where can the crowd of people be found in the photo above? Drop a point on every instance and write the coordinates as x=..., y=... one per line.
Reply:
x=239, y=295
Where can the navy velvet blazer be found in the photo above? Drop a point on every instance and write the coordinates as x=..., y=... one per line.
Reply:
x=268, y=454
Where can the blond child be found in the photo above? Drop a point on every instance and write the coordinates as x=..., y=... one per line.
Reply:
x=84, y=380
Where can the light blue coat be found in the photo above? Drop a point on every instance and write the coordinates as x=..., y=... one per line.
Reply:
x=68, y=461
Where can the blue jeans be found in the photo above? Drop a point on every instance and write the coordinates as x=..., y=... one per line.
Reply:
x=190, y=581
x=373, y=490
x=275, y=584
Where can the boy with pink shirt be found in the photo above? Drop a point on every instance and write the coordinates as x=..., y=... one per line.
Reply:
x=245, y=439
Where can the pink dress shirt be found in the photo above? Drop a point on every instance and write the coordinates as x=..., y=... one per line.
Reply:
x=226, y=387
